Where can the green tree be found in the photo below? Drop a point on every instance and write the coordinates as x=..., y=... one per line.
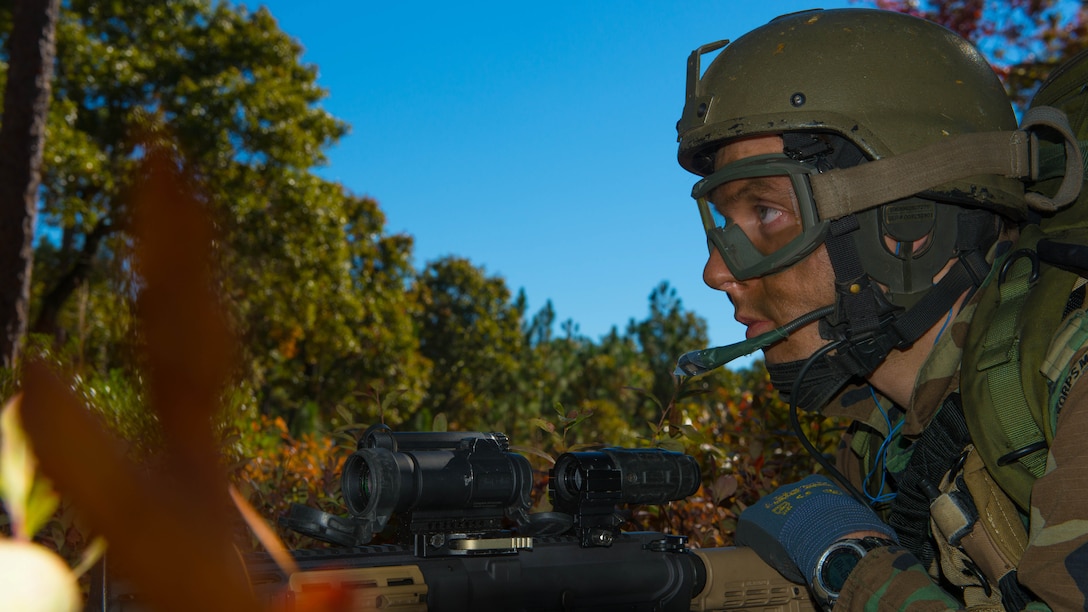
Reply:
x=613, y=380
x=667, y=333
x=547, y=366
x=608, y=383
x=471, y=332
x=328, y=317
x=314, y=284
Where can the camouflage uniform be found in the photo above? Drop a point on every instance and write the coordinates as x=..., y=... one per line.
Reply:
x=1054, y=565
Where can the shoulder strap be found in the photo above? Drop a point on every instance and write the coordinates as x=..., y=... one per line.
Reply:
x=1005, y=395
x=1000, y=359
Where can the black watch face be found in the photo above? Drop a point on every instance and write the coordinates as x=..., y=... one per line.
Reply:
x=837, y=566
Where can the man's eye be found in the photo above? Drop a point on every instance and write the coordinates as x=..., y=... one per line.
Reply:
x=767, y=215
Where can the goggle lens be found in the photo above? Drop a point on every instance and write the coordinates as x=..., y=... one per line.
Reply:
x=758, y=212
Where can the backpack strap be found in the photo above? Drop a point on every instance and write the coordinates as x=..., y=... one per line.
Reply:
x=1018, y=313
x=1001, y=359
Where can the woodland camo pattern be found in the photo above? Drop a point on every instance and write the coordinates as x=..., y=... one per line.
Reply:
x=1054, y=568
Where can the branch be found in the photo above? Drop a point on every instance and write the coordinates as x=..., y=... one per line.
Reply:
x=55, y=299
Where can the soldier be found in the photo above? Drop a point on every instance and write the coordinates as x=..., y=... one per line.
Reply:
x=864, y=218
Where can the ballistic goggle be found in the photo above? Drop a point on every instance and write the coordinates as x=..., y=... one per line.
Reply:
x=741, y=254
x=839, y=192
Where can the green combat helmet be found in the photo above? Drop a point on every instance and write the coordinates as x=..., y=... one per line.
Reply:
x=896, y=131
x=887, y=82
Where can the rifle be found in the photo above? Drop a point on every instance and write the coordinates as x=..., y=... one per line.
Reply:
x=458, y=504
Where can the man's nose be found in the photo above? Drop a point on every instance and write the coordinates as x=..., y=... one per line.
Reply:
x=716, y=274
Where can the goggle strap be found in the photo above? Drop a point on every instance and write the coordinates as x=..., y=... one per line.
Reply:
x=850, y=190
x=1010, y=153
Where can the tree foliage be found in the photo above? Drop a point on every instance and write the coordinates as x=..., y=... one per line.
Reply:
x=338, y=328
x=331, y=312
x=668, y=333
x=470, y=332
x=314, y=283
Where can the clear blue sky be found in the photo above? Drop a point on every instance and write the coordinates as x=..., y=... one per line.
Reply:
x=537, y=140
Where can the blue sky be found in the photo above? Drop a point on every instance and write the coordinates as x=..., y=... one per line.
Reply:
x=536, y=140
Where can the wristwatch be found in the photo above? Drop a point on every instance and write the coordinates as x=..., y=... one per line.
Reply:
x=835, y=565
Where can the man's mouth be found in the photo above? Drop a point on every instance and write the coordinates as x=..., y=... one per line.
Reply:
x=755, y=326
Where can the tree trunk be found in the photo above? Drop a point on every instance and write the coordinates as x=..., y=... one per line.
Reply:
x=22, y=138
x=73, y=278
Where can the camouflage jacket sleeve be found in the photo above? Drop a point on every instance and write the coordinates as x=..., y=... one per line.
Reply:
x=1055, y=564
x=893, y=579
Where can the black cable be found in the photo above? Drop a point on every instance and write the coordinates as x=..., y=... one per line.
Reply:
x=795, y=421
x=805, y=319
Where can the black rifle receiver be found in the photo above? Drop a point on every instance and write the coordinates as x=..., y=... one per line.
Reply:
x=467, y=542
x=453, y=493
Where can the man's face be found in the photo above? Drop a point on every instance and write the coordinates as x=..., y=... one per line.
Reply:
x=766, y=208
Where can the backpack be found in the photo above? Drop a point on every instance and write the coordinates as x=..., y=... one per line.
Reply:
x=990, y=439
x=1029, y=322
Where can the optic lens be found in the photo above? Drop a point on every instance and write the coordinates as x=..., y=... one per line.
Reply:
x=366, y=486
x=362, y=478
x=573, y=480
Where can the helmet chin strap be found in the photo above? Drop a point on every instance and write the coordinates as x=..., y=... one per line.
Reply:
x=863, y=326
x=810, y=383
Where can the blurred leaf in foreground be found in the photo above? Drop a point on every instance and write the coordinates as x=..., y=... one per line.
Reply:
x=168, y=527
x=28, y=498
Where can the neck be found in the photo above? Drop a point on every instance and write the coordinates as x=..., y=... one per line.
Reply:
x=896, y=378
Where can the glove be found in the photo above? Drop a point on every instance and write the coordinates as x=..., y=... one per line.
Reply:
x=791, y=527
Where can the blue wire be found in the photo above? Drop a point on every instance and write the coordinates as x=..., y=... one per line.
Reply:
x=882, y=454
x=882, y=451
x=946, y=320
